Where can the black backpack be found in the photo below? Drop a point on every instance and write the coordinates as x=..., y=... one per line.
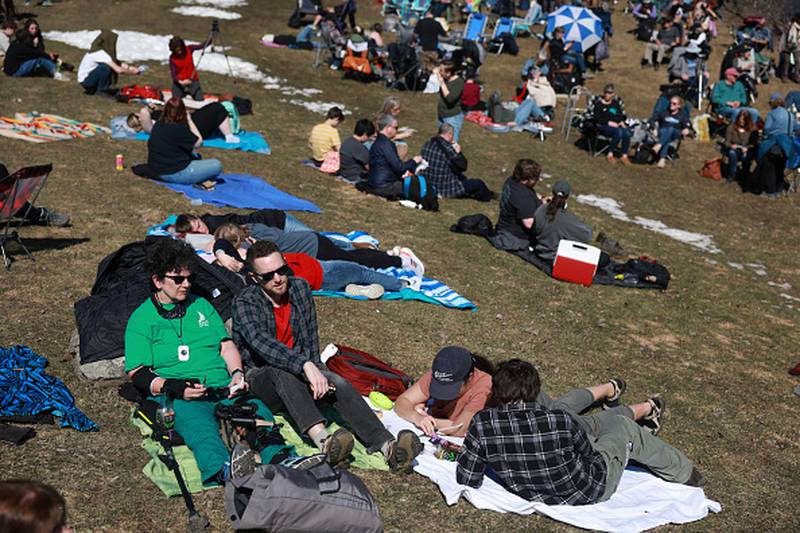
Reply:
x=648, y=271
x=418, y=190
x=477, y=224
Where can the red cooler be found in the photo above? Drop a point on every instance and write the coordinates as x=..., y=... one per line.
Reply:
x=576, y=262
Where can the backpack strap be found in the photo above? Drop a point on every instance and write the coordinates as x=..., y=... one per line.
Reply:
x=406, y=186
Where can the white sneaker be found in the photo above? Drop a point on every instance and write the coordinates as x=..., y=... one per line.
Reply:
x=411, y=262
x=409, y=203
x=371, y=292
x=232, y=139
x=394, y=251
x=661, y=163
x=60, y=76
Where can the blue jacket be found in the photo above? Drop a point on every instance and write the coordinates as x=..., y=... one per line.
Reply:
x=779, y=129
x=385, y=166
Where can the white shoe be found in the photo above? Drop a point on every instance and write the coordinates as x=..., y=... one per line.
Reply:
x=661, y=163
x=371, y=292
x=394, y=251
x=60, y=76
x=232, y=139
x=411, y=262
x=409, y=203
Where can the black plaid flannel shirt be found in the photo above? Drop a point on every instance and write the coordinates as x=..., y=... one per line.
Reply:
x=538, y=454
x=440, y=155
x=254, y=329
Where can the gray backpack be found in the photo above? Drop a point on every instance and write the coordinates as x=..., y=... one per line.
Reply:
x=320, y=499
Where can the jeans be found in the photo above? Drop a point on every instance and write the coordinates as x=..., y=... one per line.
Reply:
x=527, y=110
x=577, y=59
x=98, y=79
x=732, y=112
x=622, y=439
x=197, y=171
x=475, y=188
x=289, y=393
x=336, y=275
x=620, y=139
x=666, y=136
x=793, y=99
x=305, y=34
x=456, y=121
x=735, y=156
x=293, y=224
x=29, y=67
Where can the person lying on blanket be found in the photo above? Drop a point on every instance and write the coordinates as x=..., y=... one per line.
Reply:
x=170, y=149
x=459, y=384
x=263, y=225
x=275, y=326
x=212, y=120
x=232, y=242
x=177, y=350
x=545, y=455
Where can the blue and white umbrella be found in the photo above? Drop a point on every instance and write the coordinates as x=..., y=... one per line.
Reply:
x=581, y=26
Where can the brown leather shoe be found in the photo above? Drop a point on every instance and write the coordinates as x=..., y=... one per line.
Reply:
x=624, y=159
x=611, y=159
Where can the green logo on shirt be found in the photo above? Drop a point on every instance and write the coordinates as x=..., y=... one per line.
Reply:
x=202, y=321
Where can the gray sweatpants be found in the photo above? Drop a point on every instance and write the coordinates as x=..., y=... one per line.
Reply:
x=621, y=439
x=578, y=400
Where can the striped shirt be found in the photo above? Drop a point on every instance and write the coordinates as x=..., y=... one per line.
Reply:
x=323, y=139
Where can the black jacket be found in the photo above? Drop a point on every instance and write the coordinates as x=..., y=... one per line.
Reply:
x=18, y=53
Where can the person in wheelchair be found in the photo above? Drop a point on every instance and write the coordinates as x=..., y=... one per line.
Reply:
x=178, y=352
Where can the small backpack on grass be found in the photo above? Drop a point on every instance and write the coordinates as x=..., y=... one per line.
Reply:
x=367, y=373
x=417, y=189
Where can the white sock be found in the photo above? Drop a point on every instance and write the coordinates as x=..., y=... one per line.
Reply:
x=320, y=437
x=386, y=449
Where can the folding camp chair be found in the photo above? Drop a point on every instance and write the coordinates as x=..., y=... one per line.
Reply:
x=504, y=25
x=18, y=192
x=574, y=107
x=419, y=7
x=325, y=48
x=476, y=25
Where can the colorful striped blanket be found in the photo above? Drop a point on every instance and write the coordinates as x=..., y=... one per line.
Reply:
x=41, y=127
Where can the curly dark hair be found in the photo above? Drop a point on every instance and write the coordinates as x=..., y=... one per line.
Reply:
x=515, y=380
x=169, y=255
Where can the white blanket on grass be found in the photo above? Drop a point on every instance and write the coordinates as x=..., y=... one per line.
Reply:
x=641, y=502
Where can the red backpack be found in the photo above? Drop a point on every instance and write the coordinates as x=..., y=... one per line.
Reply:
x=131, y=92
x=367, y=373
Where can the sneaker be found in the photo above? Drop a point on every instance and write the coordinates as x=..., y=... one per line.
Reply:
x=652, y=422
x=625, y=160
x=60, y=76
x=403, y=451
x=338, y=447
x=243, y=461
x=619, y=390
x=304, y=462
x=370, y=292
x=232, y=139
x=394, y=251
x=661, y=163
x=611, y=159
x=53, y=218
x=609, y=245
x=411, y=262
x=696, y=479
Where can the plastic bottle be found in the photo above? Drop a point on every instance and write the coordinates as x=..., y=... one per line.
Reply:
x=165, y=415
x=120, y=162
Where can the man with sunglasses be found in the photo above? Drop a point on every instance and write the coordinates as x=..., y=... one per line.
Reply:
x=275, y=326
x=177, y=351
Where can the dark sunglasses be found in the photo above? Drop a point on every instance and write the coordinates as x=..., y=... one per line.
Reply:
x=266, y=277
x=178, y=280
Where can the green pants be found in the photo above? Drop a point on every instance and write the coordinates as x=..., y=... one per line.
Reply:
x=621, y=439
x=577, y=401
x=194, y=420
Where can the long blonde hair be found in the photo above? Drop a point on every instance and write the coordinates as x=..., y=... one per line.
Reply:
x=233, y=233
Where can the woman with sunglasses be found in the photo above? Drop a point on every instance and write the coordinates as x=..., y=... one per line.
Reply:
x=672, y=124
x=178, y=352
x=608, y=111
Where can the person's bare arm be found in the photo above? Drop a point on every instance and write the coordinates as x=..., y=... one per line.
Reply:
x=194, y=130
x=406, y=408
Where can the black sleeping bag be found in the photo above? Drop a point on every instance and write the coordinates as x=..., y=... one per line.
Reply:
x=122, y=285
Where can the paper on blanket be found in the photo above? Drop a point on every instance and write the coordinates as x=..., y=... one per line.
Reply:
x=641, y=502
x=247, y=192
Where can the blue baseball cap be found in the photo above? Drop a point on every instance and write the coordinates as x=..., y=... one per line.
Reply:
x=450, y=368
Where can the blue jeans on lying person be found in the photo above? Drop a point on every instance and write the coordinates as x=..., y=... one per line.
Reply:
x=666, y=136
x=98, y=80
x=620, y=142
x=293, y=224
x=526, y=111
x=197, y=171
x=336, y=275
x=29, y=67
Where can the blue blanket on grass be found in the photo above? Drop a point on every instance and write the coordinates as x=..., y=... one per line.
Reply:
x=26, y=389
x=249, y=141
x=247, y=192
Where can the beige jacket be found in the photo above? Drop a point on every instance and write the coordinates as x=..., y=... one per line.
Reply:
x=542, y=92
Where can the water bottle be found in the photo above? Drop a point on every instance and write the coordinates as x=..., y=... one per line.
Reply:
x=165, y=415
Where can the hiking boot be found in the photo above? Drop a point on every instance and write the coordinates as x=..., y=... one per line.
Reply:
x=52, y=218
x=696, y=479
x=370, y=292
x=619, y=389
x=403, y=451
x=338, y=447
x=609, y=245
x=243, y=461
x=652, y=422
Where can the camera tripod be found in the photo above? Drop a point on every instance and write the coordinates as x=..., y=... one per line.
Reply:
x=214, y=38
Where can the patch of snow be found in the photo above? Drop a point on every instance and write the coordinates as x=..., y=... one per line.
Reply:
x=319, y=107
x=203, y=11
x=293, y=91
x=789, y=297
x=614, y=208
x=217, y=3
x=784, y=286
x=737, y=266
x=712, y=261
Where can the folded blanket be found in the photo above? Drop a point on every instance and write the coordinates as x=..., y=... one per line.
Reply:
x=641, y=502
x=247, y=192
x=249, y=141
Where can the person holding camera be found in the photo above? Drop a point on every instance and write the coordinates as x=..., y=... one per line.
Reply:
x=177, y=350
x=185, y=81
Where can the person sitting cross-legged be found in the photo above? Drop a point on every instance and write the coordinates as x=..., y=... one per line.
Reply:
x=178, y=351
x=545, y=455
x=275, y=326
x=446, y=165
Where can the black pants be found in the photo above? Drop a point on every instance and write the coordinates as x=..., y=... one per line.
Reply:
x=284, y=392
x=770, y=174
x=363, y=256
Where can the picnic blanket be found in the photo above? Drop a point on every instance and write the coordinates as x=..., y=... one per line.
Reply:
x=157, y=472
x=38, y=127
x=641, y=502
x=249, y=141
x=247, y=192
x=26, y=389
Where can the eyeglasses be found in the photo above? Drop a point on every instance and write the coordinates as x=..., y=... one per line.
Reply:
x=178, y=280
x=676, y=104
x=266, y=277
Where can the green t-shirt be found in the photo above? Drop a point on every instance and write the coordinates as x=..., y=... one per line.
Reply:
x=153, y=341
